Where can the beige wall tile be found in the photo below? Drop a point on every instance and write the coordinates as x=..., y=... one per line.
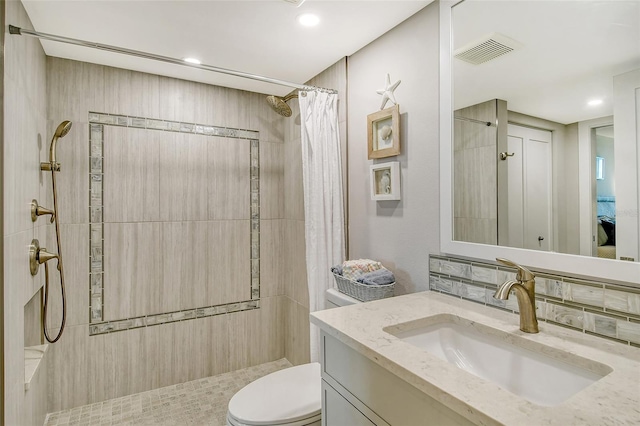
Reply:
x=272, y=257
x=171, y=266
x=295, y=270
x=132, y=270
x=183, y=177
x=213, y=345
x=24, y=136
x=293, y=190
x=297, y=333
x=271, y=180
x=75, y=252
x=287, y=308
x=25, y=59
x=74, y=88
x=255, y=336
x=292, y=124
x=68, y=369
x=161, y=349
x=228, y=264
x=124, y=182
x=184, y=254
x=227, y=184
x=14, y=322
x=24, y=139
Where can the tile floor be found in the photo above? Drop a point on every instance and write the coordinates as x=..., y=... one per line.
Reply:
x=200, y=402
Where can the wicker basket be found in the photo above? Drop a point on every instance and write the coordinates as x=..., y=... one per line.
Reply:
x=363, y=292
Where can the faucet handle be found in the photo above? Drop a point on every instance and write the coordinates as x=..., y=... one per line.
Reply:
x=524, y=274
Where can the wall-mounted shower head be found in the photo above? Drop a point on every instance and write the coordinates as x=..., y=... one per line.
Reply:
x=61, y=131
x=280, y=105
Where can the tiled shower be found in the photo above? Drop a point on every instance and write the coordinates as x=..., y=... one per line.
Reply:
x=182, y=229
x=161, y=203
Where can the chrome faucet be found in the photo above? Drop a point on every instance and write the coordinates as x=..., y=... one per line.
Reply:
x=524, y=286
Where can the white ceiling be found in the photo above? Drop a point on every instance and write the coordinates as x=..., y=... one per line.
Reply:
x=258, y=37
x=571, y=50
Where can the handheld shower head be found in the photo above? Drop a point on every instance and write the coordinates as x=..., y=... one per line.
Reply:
x=61, y=131
x=280, y=105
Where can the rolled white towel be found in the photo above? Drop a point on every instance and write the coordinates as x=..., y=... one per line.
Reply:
x=353, y=269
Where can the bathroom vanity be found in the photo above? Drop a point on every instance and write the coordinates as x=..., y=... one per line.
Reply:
x=377, y=368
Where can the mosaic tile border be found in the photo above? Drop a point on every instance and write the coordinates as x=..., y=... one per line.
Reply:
x=97, y=121
x=165, y=318
x=171, y=126
x=605, y=310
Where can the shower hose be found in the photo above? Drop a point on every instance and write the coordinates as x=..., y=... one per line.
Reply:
x=60, y=269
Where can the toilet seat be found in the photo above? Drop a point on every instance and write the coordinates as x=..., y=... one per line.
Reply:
x=289, y=397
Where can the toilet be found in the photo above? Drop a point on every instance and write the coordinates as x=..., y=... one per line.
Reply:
x=289, y=397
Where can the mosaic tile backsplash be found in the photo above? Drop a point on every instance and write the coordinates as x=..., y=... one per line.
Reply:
x=98, y=121
x=602, y=309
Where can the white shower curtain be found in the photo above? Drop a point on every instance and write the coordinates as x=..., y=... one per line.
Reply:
x=323, y=206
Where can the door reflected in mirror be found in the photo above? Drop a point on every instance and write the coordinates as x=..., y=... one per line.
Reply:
x=545, y=156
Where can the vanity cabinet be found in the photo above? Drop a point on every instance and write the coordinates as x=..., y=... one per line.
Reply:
x=357, y=391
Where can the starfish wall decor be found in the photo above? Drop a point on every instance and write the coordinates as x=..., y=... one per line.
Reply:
x=387, y=92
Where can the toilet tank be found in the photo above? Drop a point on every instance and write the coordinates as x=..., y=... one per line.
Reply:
x=335, y=299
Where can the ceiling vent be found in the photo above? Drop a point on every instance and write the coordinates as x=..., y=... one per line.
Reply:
x=486, y=49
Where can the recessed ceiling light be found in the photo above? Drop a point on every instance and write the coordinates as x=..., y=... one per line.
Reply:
x=308, y=19
x=192, y=61
x=594, y=102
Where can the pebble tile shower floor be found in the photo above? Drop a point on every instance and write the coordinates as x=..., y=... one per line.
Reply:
x=199, y=402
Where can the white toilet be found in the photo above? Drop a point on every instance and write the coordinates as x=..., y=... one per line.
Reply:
x=289, y=397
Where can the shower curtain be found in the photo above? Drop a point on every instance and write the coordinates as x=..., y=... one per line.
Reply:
x=323, y=206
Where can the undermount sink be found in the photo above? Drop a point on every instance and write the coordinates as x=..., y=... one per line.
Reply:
x=538, y=373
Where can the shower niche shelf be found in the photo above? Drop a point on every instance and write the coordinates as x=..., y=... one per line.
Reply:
x=33, y=357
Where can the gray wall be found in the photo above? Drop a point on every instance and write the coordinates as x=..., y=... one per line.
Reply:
x=25, y=145
x=400, y=234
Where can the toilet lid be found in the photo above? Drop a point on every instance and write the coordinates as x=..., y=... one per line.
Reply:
x=282, y=397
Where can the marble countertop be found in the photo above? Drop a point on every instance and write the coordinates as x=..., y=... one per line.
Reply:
x=612, y=400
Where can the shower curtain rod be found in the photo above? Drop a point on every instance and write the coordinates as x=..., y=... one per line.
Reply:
x=52, y=37
x=473, y=120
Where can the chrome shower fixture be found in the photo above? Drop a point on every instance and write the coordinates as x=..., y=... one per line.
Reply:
x=280, y=105
x=61, y=131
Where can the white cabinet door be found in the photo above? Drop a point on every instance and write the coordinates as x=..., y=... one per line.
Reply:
x=337, y=411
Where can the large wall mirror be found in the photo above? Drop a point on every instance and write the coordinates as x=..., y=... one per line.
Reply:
x=540, y=134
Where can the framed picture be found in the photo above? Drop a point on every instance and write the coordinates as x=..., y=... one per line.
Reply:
x=384, y=133
x=385, y=181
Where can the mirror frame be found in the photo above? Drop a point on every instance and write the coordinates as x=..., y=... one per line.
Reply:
x=559, y=263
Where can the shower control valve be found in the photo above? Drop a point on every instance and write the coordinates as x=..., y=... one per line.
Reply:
x=37, y=210
x=38, y=256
